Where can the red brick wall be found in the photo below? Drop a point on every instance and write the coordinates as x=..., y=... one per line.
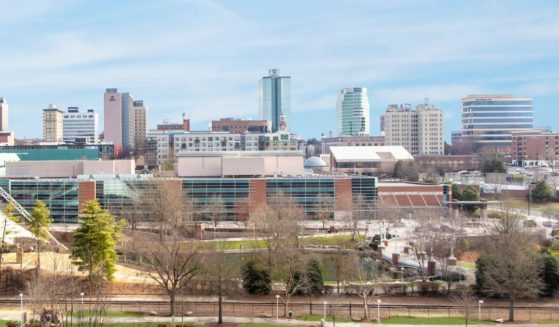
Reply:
x=86, y=192
x=257, y=194
x=342, y=194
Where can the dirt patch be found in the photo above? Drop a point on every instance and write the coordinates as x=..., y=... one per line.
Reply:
x=469, y=256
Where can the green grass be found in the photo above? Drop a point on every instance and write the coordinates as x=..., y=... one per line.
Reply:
x=89, y=313
x=317, y=318
x=261, y=324
x=343, y=241
x=523, y=204
x=469, y=265
x=431, y=321
x=547, y=322
x=231, y=245
x=2, y=323
x=153, y=324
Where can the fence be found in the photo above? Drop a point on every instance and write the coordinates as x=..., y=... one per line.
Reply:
x=334, y=306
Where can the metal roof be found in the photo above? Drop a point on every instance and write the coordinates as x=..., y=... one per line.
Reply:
x=369, y=153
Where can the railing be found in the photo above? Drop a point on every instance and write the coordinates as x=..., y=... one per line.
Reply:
x=25, y=214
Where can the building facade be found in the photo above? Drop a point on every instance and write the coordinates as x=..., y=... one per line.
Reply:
x=80, y=127
x=104, y=151
x=359, y=140
x=241, y=126
x=140, y=126
x=534, y=148
x=240, y=196
x=420, y=131
x=53, y=124
x=170, y=143
x=4, y=114
x=490, y=120
x=274, y=98
x=353, y=112
x=119, y=121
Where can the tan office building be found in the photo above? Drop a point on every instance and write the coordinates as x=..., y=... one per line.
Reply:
x=53, y=124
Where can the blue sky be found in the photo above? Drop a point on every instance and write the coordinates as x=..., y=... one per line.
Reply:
x=204, y=57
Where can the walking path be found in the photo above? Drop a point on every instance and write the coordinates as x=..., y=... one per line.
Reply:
x=15, y=315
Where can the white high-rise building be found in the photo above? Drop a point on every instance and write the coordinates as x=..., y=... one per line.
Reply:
x=352, y=112
x=53, y=124
x=419, y=131
x=80, y=126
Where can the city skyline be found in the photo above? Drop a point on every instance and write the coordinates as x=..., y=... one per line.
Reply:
x=209, y=67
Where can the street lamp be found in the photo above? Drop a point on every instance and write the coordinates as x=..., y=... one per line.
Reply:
x=277, y=306
x=21, y=308
x=480, y=302
x=81, y=295
x=402, y=271
x=324, y=314
x=378, y=310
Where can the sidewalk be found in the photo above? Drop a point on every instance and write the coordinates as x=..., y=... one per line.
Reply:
x=15, y=315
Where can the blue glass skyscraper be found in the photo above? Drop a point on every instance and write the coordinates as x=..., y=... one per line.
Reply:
x=490, y=120
x=274, y=98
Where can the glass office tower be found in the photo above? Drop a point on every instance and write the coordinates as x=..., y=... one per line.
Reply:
x=489, y=120
x=274, y=98
x=352, y=112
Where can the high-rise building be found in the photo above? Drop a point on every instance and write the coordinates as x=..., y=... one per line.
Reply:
x=53, y=124
x=3, y=114
x=274, y=98
x=352, y=112
x=490, y=120
x=419, y=131
x=119, y=121
x=140, y=125
x=80, y=127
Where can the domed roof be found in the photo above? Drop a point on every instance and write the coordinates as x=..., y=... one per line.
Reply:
x=314, y=162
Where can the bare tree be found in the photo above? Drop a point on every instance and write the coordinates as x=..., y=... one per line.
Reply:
x=464, y=299
x=510, y=266
x=364, y=282
x=218, y=270
x=168, y=259
x=276, y=221
x=289, y=264
x=324, y=209
x=214, y=211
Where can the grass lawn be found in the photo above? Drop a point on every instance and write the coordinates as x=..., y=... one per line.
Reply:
x=431, y=321
x=317, y=318
x=343, y=241
x=2, y=323
x=523, y=204
x=469, y=265
x=257, y=324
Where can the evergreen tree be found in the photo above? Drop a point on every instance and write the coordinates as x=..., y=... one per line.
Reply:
x=314, y=277
x=456, y=192
x=38, y=226
x=470, y=194
x=256, y=279
x=542, y=192
x=550, y=275
x=494, y=165
x=95, y=241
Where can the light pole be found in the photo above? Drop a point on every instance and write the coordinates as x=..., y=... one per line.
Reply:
x=324, y=314
x=277, y=306
x=21, y=308
x=378, y=310
x=81, y=308
x=402, y=271
x=480, y=302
